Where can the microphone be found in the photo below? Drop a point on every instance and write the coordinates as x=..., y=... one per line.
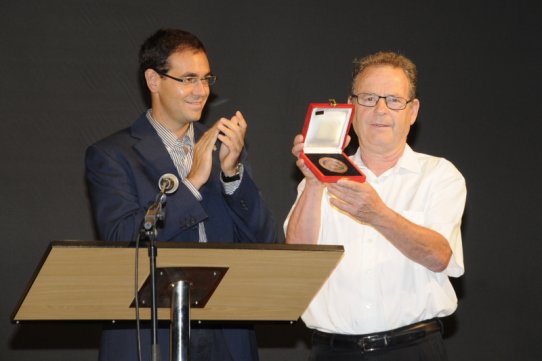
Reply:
x=168, y=183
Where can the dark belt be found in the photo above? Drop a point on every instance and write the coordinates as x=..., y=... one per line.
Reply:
x=378, y=341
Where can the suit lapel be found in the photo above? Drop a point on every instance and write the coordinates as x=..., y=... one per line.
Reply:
x=151, y=148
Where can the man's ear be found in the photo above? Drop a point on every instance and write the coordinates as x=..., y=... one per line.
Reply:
x=152, y=78
x=415, y=108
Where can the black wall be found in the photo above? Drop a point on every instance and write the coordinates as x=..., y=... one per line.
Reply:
x=68, y=76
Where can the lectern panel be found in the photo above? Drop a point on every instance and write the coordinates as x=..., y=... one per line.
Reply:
x=94, y=280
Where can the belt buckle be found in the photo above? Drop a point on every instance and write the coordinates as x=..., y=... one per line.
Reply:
x=367, y=343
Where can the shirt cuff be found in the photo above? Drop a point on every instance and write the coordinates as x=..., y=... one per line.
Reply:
x=192, y=189
x=231, y=187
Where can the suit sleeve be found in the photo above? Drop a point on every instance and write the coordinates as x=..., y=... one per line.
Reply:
x=254, y=221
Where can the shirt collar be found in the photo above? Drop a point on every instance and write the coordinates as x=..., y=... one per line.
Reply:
x=408, y=161
x=168, y=137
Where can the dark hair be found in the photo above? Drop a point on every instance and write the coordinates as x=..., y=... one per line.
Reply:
x=388, y=58
x=156, y=50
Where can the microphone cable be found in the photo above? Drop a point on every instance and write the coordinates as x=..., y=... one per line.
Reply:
x=136, y=297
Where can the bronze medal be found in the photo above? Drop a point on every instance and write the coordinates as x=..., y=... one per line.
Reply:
x=333, y=165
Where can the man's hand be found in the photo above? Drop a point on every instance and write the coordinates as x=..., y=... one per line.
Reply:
x=359, y=200
x=202, y=161
x=310, y=178
x=232, y=135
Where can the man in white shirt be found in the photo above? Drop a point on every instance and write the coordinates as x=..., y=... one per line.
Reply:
x=400, y=229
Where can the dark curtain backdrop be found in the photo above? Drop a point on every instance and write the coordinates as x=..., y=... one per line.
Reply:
x=68, y=77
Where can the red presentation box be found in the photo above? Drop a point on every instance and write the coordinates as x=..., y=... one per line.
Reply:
x=324, y=134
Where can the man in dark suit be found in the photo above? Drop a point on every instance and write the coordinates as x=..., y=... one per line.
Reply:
x=217, y=200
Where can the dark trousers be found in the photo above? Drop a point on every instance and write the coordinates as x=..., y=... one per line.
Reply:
x=428, y=348
x=118, y=343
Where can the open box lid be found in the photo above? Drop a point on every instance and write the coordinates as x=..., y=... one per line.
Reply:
x=326, y=127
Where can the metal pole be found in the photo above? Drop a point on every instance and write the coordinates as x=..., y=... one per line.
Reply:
x=180, y=321
x=153, y=214
x=155, y=348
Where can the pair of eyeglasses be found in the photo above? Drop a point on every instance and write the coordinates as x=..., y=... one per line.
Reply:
x=191, y=80
x=392, y=102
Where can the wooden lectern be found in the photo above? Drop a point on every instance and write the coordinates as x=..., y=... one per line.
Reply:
x=94, y=280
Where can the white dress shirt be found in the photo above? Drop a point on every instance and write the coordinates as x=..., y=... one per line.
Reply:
x=375, y=287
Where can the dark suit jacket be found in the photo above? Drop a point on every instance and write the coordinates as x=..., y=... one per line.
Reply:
x=122, y=174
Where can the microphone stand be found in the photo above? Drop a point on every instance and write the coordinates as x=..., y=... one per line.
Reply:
x=154, y=214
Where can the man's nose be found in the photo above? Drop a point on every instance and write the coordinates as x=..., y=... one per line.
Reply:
x=200, y=88
x=381, y=104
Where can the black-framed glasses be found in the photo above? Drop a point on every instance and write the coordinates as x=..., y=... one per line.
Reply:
x=392, y=102
x=191, y=80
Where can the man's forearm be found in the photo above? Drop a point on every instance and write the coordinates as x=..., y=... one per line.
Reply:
x=422, y=245
x=304, y=222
